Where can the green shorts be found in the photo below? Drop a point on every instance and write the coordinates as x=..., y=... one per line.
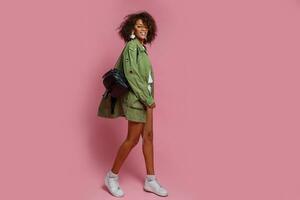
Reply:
x=134, y=114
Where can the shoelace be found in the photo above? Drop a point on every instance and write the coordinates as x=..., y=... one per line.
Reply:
x=156, y=182
x=113, y=182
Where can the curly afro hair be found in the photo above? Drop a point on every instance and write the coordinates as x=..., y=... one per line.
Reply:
x=127, y=26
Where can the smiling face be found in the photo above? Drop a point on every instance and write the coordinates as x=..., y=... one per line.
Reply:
x=140, y=30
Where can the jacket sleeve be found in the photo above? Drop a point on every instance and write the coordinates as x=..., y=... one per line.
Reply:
x=136, y=81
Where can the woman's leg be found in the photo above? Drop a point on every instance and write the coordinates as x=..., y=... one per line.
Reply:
x=133, y=135
x=147, y=135
x=151, y=183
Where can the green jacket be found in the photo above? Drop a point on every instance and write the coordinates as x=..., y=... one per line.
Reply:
x=135, y=64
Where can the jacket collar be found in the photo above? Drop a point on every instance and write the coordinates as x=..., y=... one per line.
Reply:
x=141, y=47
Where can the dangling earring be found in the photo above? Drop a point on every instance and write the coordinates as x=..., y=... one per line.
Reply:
x=132, y=36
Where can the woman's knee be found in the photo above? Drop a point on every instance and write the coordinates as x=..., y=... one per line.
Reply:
x=148, y=136
x=134, y=130
x=132, y=142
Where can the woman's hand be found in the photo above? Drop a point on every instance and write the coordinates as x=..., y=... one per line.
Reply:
x=152, y=106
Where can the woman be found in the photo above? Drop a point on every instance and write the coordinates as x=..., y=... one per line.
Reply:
x=137, y=105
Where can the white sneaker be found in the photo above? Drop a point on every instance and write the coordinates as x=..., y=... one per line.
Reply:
x=113, y=186
x=154, y=187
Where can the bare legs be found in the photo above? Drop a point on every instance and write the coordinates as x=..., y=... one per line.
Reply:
x=147, y=135
x=133, y=135
x=135, y=130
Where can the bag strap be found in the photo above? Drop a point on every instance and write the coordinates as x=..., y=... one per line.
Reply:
x=113, y=103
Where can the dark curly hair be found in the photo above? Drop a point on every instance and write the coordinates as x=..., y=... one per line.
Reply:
x=127, y=26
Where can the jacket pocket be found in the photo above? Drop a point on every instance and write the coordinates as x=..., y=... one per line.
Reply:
x=134, y=102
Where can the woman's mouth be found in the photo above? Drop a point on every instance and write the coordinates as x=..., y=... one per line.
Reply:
x=143, y=34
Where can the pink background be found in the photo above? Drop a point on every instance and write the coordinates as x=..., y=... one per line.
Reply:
x=226, y=125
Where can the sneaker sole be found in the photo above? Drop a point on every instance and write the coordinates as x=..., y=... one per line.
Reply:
x=106, y=184
x=146, y=190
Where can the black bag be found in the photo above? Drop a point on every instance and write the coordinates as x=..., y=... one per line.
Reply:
x=116, y=85
x=115, y=82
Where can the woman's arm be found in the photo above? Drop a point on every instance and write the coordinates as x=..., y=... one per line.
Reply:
x=133, y=76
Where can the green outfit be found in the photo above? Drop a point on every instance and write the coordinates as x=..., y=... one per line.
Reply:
x=135, y=64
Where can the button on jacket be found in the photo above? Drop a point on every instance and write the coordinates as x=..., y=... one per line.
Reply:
x=136, y=65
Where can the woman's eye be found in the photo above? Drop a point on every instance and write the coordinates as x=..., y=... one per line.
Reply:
x=142, y=27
